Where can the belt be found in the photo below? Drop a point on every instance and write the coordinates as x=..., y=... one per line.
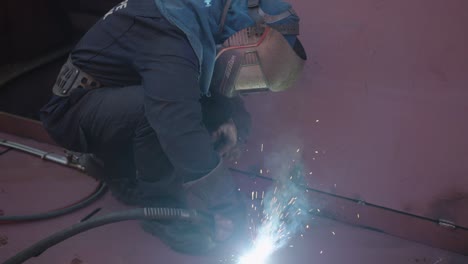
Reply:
x=70, y=78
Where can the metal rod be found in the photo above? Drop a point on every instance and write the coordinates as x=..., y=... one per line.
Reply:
x=60, y=159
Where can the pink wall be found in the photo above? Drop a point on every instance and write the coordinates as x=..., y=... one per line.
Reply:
x=387, y=81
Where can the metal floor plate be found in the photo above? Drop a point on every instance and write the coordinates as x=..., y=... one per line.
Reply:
x=29, y=185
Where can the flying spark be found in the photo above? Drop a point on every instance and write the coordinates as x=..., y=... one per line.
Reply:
x=282, y=215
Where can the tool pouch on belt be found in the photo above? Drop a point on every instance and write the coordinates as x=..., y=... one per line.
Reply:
x=70, y=78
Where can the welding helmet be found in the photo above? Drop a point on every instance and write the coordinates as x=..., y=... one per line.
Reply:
x=259, y=58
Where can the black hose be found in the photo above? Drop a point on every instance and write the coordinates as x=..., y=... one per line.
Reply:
x=134, y=214
x=100, y=190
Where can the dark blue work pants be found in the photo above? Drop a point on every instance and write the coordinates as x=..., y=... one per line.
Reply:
x=111, y=121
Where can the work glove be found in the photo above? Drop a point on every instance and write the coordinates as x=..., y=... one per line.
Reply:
x=225, y=140
x=228, y=122
x=214, y=195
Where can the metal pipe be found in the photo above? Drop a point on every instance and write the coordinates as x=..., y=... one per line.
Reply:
x=60, y=159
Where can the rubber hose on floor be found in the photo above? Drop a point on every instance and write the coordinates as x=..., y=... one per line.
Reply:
x=100, y=190
x=134, y=214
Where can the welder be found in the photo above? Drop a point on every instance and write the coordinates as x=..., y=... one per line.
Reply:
x=152, y=94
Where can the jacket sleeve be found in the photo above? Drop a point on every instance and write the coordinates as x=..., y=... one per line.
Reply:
x=173, y=110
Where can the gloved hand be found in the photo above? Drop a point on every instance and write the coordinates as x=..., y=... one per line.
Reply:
x=225, y=138
x=229, y=123
x=214, y=194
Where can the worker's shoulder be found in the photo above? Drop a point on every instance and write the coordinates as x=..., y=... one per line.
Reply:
x=145, y=8
x=274, y=7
